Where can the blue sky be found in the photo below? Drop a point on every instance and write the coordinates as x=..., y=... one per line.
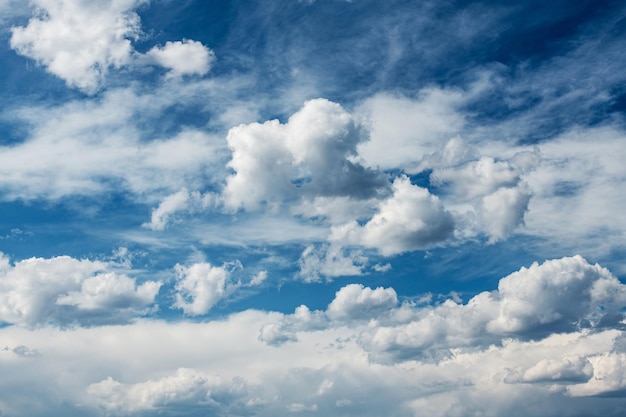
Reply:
x=314, y=207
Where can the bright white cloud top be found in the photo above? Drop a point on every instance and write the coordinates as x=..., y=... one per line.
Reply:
x=309, y=208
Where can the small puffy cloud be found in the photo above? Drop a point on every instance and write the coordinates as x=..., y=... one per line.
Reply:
x=200, y=286
x=182, y=58
x=181, y=201
x=410, y=219
x=503, y=210
x=79, y=41
x=355, y=301
x=329, y=261
x=66, y=291
x=313, y=154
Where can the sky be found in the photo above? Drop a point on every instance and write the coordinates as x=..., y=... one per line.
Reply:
x=395, y=208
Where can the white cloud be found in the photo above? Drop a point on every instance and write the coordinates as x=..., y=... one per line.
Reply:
x=329, y=261
x=67, y=291
x=557, y=296
x=185, y=387
x=200, y=286
x=503, y=210
x=585, y=180
x=477, y=178
x=151, y=366
x=409, y=220
x=565, y=370
x=486, y=196
x=608, y=376
x=310, y=155
x=562, y=295
x=404, y=130
x=183, y=58
x=110, y=291
x=285, y=330
x=79, y=41
x=183, y=201
x=107, y=150
x=355, y=301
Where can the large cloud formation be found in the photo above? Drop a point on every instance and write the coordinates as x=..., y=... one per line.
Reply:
x=313, y=154
x=550, y=335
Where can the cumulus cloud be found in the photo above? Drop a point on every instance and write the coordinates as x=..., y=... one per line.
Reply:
x=355, y=301
x=313, y=154
x=410, y=219
x=172, y=368
x=183, y=58
x=352, y=303
x=561, y=295
x=79, y=41
x=565, y=370
x=67, y=291
x=200, y=286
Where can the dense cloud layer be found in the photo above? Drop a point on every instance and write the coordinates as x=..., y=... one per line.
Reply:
x=505, y=347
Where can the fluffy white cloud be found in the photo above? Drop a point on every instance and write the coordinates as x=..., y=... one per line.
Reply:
x=565, y=370
x=67, y=291
x=410, y=219
x=355, y=301
x=557, y=296
x=562, y=295
x=183, y=58
x=313, y=154
x=352, y=303
x=78, y=40
x=200, y=286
